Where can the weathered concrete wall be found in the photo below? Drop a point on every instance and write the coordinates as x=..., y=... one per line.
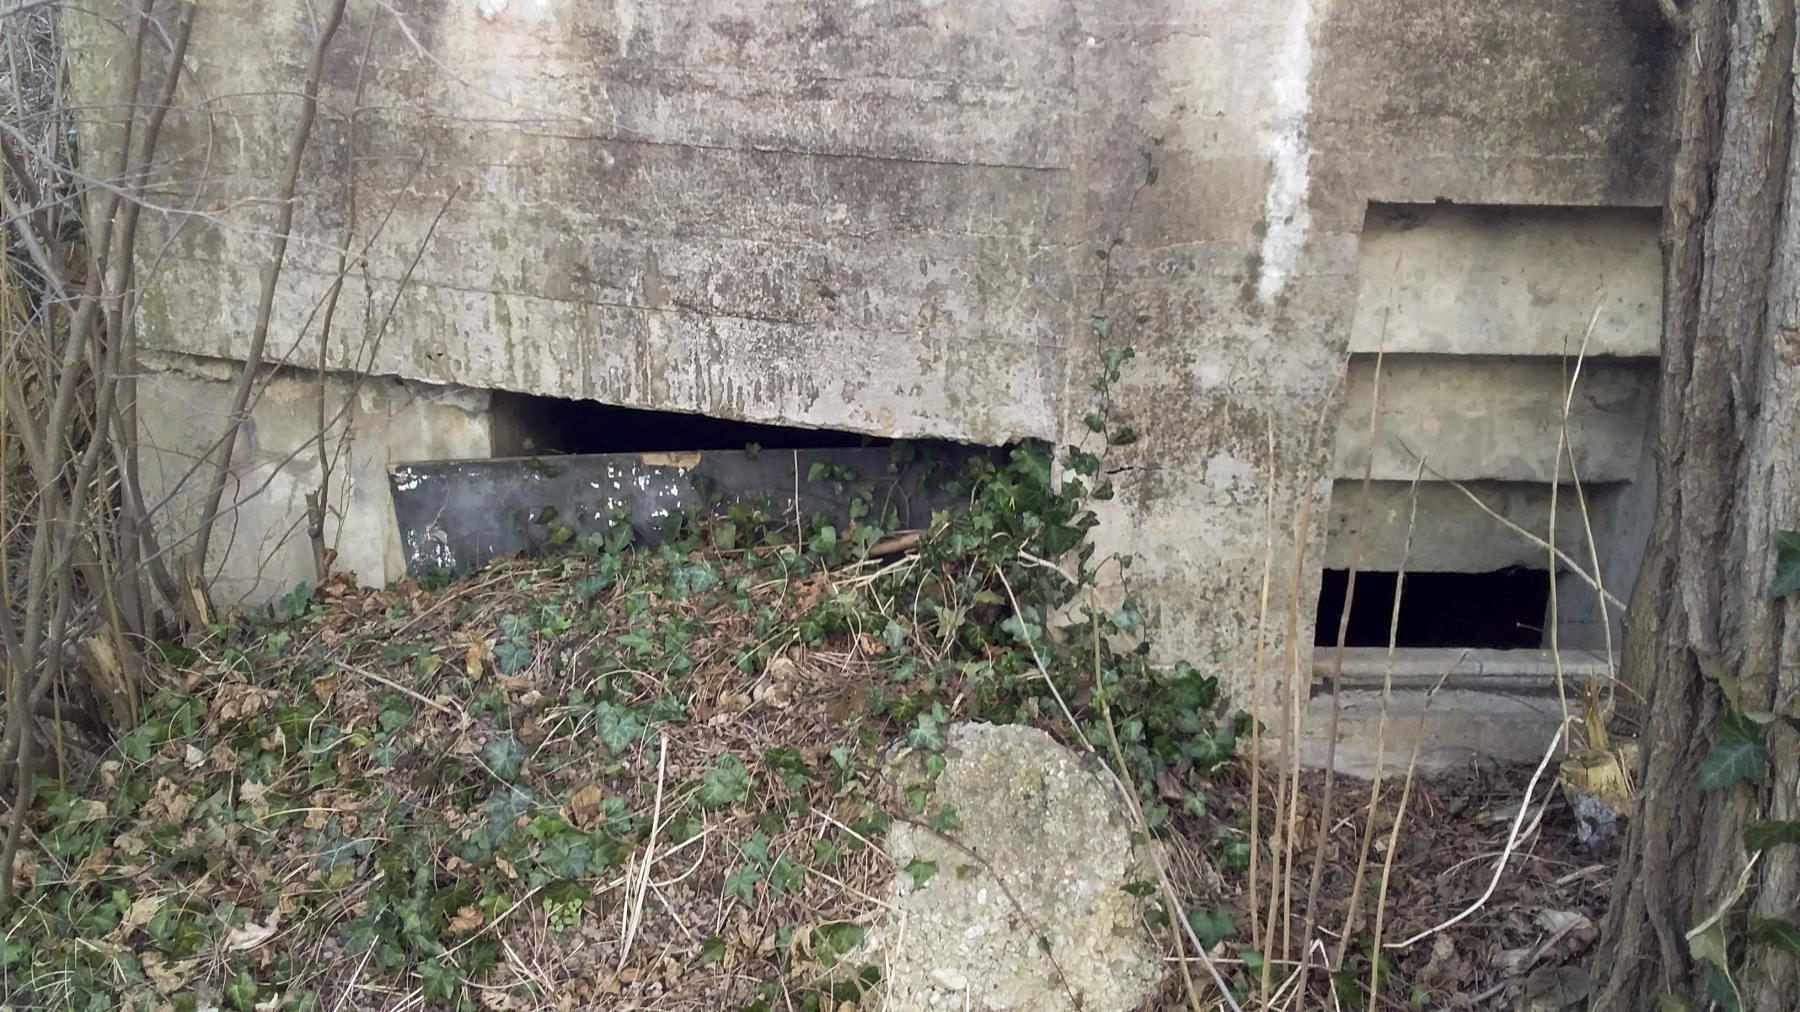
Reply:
x=263, y=544
x=896, y=218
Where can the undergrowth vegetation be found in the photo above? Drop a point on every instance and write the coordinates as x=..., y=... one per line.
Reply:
x=616, y=773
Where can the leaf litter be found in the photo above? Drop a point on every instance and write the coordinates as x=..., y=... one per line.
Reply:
x=648, y=778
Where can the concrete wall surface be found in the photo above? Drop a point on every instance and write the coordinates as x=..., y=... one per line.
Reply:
x=893, y=218
x=371, y=424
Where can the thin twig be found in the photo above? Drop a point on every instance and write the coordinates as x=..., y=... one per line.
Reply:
x=397, y=687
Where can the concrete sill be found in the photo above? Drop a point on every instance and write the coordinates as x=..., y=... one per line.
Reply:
x=1415, y=669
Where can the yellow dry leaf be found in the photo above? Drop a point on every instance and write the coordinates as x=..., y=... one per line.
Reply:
x=585, y=807
x=235, y=700
x=169, y=802
x=317, y=815
x=140, y=913
x=96, y=862
x=257, y=796
x=251, y=934
x=475, y=658
x=466, y=920
x=167, y=976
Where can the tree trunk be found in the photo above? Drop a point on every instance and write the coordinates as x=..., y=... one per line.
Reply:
x=1728, y=476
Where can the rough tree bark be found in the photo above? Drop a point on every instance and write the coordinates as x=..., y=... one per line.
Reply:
x=1728, y=473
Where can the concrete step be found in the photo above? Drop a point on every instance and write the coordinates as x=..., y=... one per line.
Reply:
x=1508, y=281
x=1450, y=533
x=1495, y=418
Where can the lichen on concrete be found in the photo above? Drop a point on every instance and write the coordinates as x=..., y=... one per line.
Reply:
x=1027, y=908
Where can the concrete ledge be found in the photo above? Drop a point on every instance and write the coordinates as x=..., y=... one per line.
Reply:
x=1474, y=417
x=1419, y=670
x=1451, y=729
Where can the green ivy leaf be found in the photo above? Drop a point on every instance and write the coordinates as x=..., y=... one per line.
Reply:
x=742, y=883
x=504, y=756
x=1787, y=564
x=726, y=783
x=1720, y=989
x=439, y=979
x=1212, y=926
x=619, y=726
x=1763, y=835
x=712, y=950
x=1024, y=630
x=785, y=877
x=921, y=871
x=240, y=992
x=513, y=655
x=1738, y=754
x=1709, y=946
x=836, y=940
x=1774, y=931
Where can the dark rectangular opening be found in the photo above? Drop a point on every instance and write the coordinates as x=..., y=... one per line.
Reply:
x=524, y=425
x=1502, y=610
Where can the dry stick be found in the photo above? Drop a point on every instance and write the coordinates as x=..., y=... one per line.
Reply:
x=116, y=364
x=1170, y=896
x=1044, y=669
x=1387, y=699
x=1337, y=659
x=634, y=915
x=397, y=687
x=1505, y=854
x=265, y=307
x=1574, y=568
x=1587, y=526
x=381, y=329
x=318, y=510
x=1256, y=691
x=1287, y=799
x=317, y=503
x=1393, y=844
x=121, y=316
x=357, y=377
x=1562, y=445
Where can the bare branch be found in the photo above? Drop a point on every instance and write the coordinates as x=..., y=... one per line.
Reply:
x=265, y=308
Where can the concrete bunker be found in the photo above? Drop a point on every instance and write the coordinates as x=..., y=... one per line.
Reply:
x=562, y=471
x=1492, y=457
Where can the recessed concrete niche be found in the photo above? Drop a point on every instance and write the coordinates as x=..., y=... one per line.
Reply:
x=1498, y=401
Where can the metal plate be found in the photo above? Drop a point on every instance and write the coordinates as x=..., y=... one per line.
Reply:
x=455, y=515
